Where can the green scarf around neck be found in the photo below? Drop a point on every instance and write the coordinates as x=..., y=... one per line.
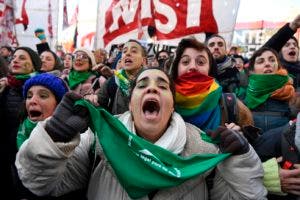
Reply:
x=261, y=86
x=76, y=77
x=24, y=131
x=140, y=166
x=25, y=76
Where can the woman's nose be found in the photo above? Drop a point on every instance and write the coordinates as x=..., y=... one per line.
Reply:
x=269, y=64
x=192, y=68
x=152, y=89
x=32, y=100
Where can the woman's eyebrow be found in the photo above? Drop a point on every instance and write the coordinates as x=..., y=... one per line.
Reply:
x=143, y=79
x=161, y=79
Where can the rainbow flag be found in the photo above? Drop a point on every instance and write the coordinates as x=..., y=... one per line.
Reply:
x=197, y=100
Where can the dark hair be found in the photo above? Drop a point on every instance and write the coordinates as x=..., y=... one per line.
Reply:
x=58, y=62
x=10, y=49
x=238, y=56
x=69, y=54
x=192, y=42
x=294, y=38
x=259, y=52
x=161, y=51
x=144, y=51
x=171, y=82
x=35, y=58
x=213, y=36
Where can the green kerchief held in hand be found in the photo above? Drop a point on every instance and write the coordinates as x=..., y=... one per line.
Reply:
x=142, y=167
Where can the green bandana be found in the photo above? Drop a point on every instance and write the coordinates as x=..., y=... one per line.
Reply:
x=261, y=86
x=75, y=78
x=142, y=167
x=25, y=76
x=24, y=131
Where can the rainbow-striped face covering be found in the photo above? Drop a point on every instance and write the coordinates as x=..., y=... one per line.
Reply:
x=197, y=100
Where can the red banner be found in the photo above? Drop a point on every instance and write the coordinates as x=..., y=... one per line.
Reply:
x=172, y=19
x=24, y=16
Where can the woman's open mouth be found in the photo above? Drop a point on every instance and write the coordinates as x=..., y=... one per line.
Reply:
x=151, y=109
x=292, y=53
x=34, y=115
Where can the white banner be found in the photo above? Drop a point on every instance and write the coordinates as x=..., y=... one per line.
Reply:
x=7, y=22
x=38, y=18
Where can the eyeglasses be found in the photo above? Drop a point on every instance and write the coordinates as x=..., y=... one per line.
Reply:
x=81, y=56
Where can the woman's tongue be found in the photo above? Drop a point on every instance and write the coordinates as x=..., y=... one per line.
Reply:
x=151, y=110
x=151, y=115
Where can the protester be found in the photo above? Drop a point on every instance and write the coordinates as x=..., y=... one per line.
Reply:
x=68, y=63
x=100, y=56
x=25, y=63
x=114, y=55
x=268, y=94
x=3, y=68
x=161, y=147
x=81, y=78
x=239, y=64
x=114, y=95
x=42, y=93
x=6, y=52
x=269, y=91
x=51, y=63
x=227, y=75
x=234, y=50
x=199, y=97
x=162, y=56
x=287, y=45
x=277, y=148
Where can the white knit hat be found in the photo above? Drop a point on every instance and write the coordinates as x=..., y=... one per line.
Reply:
x=89, y=53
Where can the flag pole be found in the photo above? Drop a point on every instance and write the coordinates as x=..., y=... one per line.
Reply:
x=96, y=38
x=14, y=18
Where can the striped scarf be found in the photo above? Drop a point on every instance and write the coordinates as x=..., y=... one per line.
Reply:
x=197, y=100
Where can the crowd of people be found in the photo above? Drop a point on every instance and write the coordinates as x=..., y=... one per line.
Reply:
x=197, y=123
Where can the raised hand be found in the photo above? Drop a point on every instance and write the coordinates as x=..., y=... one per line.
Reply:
x=295, y=24
x=67, y=120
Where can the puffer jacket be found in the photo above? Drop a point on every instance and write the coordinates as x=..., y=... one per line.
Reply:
x=52, y=168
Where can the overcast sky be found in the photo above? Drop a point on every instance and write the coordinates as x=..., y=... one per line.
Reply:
x=269, y=10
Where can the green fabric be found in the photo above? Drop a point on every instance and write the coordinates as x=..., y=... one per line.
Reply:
x=241, y=92
x=142, y=167
x=25, y=76
x=75, y=78
x=123, y=82
x=24, y=131
x=271, y=177
x=261, y=87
